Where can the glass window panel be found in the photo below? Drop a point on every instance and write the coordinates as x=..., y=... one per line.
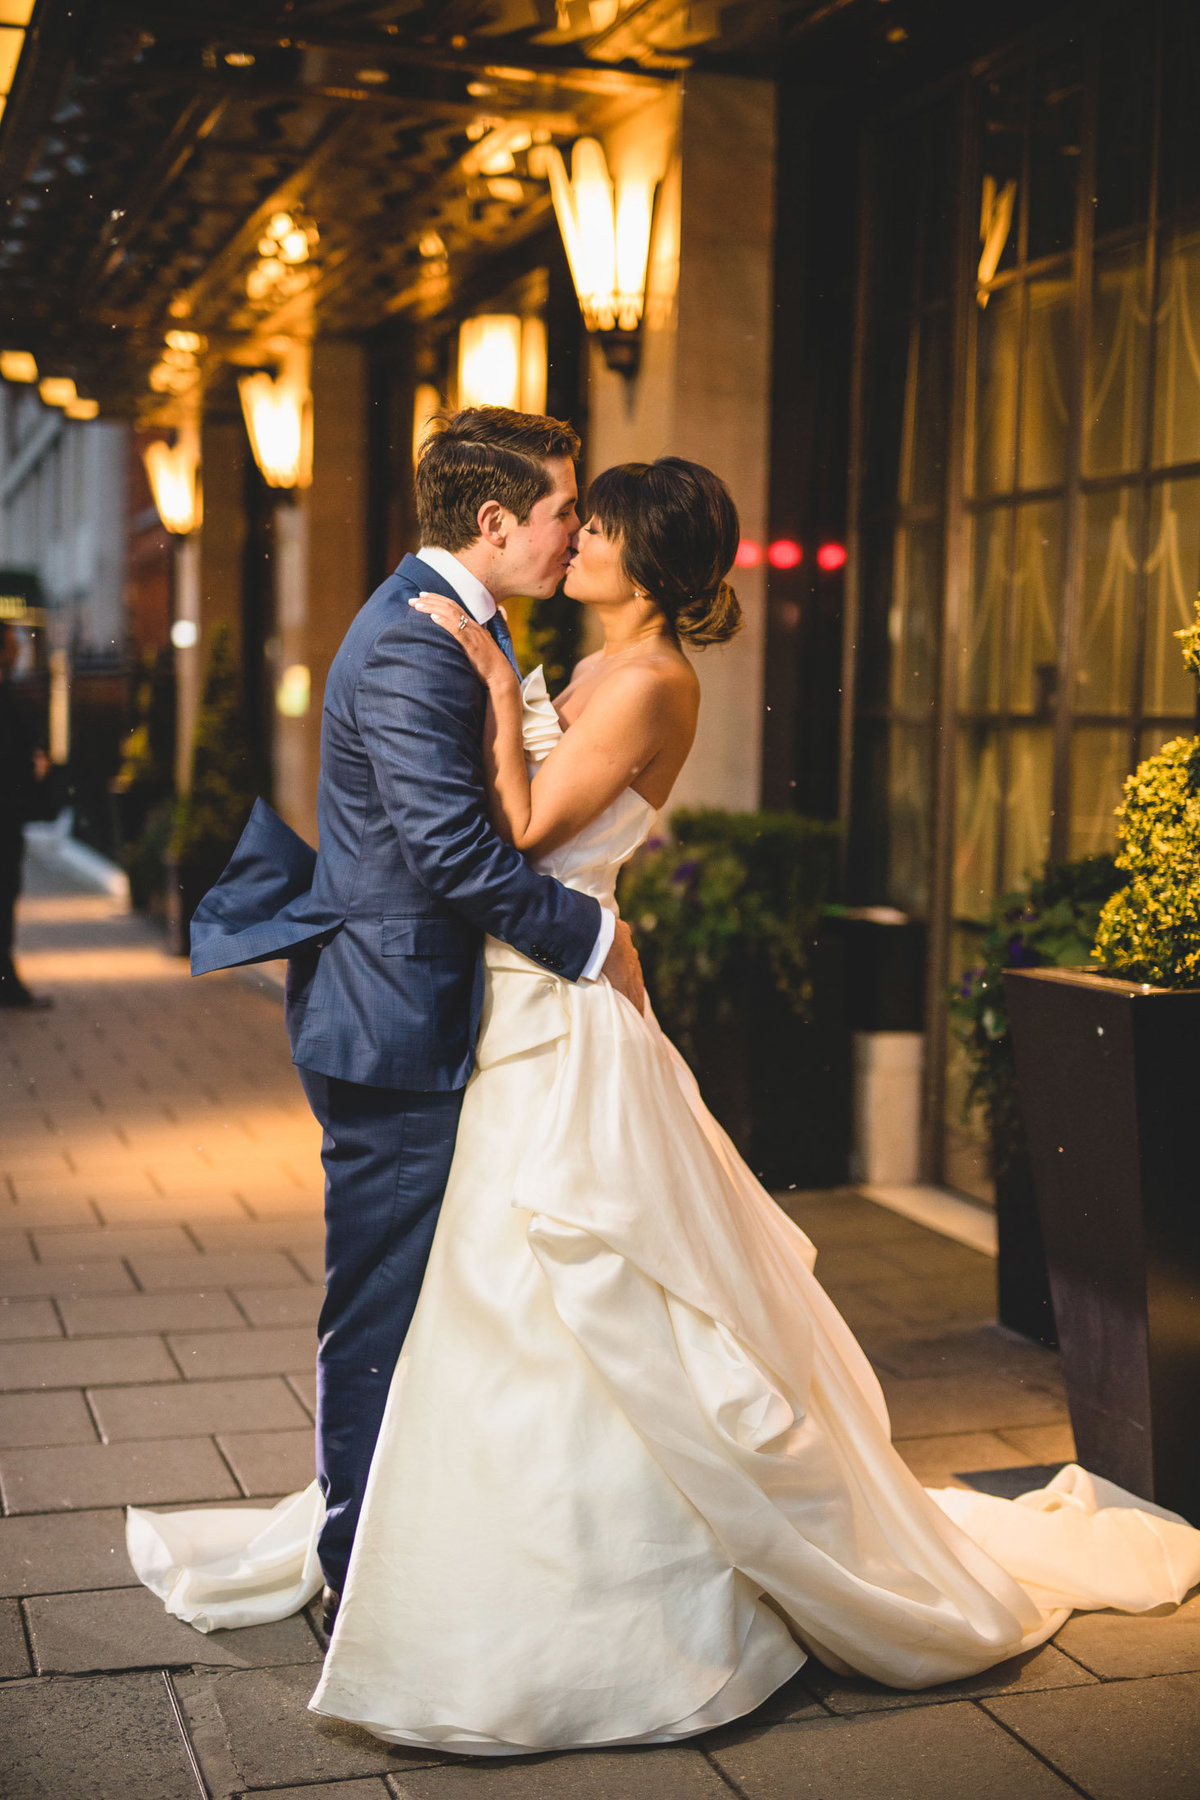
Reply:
x=875, y=626
x=981, y=652
x=888, y=376
x=930, y=419
x=1027, y=802
x=1151, y=741
x=1099, y=765
x=1116, y=363
x=1179, y=164
x=1036, y=593
x=916, y=618
x=1103, y=680
x=1177, y=352
x=1172, y=581
x=867, y=871
x=1055, y=149
x=1002, y=148
x=997, y=347
x=1124, y=123
x=1045, y=397
x=909, y=816
x=976, y=804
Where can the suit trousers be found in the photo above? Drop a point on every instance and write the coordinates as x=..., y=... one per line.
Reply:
x=12, y=851
x=387, y=1155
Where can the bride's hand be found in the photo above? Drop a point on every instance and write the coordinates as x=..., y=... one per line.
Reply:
x=478, y=645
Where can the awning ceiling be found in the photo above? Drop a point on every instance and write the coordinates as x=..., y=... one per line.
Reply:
x=146, y=145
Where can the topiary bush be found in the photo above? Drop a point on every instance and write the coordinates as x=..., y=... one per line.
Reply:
x=1150, y=930
x=210, y=816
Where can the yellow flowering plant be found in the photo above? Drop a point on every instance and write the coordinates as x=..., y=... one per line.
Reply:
x=1150, y=929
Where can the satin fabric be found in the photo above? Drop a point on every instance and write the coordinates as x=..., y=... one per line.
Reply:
x=634, y=1464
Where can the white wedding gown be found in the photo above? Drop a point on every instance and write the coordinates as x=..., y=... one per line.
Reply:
x=634, y=1464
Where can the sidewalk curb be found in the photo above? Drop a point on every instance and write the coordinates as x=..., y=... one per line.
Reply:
x=54, y=847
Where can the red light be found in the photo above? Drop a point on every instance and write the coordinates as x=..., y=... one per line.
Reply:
x=785, y=553
x=831, y=557
x=749, y=554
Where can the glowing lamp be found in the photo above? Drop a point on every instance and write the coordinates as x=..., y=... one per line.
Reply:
x=749, y=554
x=57, y=390
x=785, y=553
x=18, y=365
x=831, y=557
x=489, y=360
x=606, y=232
x=278, y=415
x=80, y=408
x=294, y=693
x=427, y=403
x=173, y=471
x=185, y=634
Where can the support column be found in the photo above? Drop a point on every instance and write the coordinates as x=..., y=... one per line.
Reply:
x=703, y=389
x=209, y=574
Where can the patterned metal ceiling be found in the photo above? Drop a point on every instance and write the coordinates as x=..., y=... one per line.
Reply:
x=147, y=144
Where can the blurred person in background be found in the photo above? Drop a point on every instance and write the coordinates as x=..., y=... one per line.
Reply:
x=23, y=767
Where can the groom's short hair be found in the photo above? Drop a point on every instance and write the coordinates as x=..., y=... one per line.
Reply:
x=485, y=453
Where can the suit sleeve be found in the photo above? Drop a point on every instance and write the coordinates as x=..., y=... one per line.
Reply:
x=417, y=708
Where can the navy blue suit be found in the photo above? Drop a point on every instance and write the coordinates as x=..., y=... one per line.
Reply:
x=383, y=928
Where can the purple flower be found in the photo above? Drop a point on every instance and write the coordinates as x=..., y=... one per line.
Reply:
x=684, y=871
x=1020, y=956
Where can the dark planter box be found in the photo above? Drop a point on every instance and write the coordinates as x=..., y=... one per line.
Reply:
x=1023, y=1299
x=1109, y=1077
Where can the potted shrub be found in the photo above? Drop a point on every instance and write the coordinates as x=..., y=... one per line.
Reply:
x=210, y=816
x=1050, y=922
x=143, y=788
x=1108, y=1061
x=726, y=913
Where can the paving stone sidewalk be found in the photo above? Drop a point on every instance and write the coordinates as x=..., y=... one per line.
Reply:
x=160, y=1275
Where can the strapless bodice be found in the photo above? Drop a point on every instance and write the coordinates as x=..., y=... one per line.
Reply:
x=590, y=861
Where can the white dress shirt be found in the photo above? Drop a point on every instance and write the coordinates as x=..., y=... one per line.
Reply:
x=481, y=604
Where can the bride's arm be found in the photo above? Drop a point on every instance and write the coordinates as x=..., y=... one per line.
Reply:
x=626, y=723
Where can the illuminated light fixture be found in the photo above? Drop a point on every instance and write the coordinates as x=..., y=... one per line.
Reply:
x=534, y=365
x=427, y=404
x=293, y=696
x=185, y=634
x=431, y=245
x=831, y=557
x=278, y=415
x=82, y=409
x=489, y=360
x=190, y=342
x=239, y=59
x=372, y=77
x=293, y=246
x=749, y=554
x=57, y=390
x=506, y=188
x=173, y=471
x=785, y=553
x=18, y=365
x=14, y=16
x=606, y=232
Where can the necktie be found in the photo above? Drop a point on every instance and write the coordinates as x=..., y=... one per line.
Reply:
x=499, y=630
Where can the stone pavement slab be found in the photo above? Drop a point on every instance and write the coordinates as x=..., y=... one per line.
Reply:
x=1119, y=1740
x=251, y=1728
x=1045, y=1667
x=57, y=1553
x=306, y=1232
x=28, y=1319
x=104, y=1315
x=272, y=1351
x=270, y=1462
x=15, y=1246
x=195, y=1408
x=281, y=1306
x=14, y=1652
x=936, y=1461
x=1117, y=1646
x=104, y=1737
x=105, y=1277
x=371, y=1788
x=71, y=1363
x=78, y=1246
x=76, y=1476
x=215, y=1269
x=926, y=1405
x=926, y=1753
x=671, y=1772
x=33, y=1420
x=129, y=1628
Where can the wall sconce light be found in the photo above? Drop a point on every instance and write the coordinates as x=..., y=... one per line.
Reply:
x=606, y=232
x=278, y=415
x=174, y=475
x=18, y=365
x=293, y=695
x=57, y=390
x=502, y=362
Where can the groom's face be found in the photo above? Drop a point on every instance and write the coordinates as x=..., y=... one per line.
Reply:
x=538, y=553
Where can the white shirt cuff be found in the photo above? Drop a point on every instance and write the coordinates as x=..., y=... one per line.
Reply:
x=598, y=958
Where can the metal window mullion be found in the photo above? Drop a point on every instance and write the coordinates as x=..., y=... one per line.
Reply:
x=1152, y=278
x=852, y=574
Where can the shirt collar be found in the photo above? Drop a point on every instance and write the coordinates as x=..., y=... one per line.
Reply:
x=478, y=601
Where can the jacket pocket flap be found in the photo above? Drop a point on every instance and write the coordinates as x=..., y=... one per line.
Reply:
x=427, y=937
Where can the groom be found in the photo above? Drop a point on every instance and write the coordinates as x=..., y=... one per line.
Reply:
x=385, y=925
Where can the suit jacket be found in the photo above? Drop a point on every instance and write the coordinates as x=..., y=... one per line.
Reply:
x=386, y=922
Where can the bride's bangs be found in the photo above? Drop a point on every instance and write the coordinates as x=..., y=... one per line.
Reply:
x=613, y=498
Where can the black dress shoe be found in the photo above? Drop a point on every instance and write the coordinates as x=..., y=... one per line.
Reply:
x=330, y=1601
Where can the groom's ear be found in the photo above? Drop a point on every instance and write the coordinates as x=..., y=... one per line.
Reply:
x=495, y=522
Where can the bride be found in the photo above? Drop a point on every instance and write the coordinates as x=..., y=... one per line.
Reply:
x=634, y=1466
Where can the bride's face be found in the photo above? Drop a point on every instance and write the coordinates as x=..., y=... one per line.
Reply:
x=595, y=576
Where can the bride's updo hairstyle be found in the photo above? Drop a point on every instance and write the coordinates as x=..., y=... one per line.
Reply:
x=678, y=531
